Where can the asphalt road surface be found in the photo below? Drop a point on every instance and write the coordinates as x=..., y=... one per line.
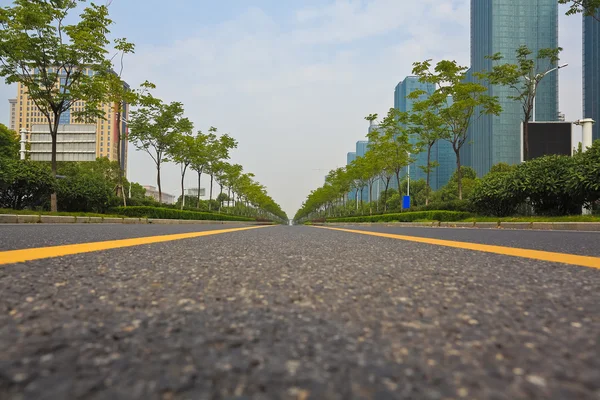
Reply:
x=297, y=313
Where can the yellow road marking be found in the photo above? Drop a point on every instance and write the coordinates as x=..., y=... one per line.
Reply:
x=572, y=259
x=22, y=255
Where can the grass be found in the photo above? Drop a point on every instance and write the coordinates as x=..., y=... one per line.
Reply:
x=58, y=214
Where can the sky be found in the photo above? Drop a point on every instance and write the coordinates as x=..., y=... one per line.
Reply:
x=293, y=80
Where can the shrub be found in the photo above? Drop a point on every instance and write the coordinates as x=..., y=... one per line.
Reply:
x=545, y=181
x=24, y=184
x=442, y=216
x=451, y=205
x=586, y=179
x=170, y=213
x=85, y=193
x=498, y=194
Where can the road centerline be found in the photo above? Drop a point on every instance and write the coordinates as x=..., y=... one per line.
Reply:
x=540, y=255
x=31, y=254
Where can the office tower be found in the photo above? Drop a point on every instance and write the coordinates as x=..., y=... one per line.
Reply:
x=350, y=157
x=501, y=26
x=591, y=72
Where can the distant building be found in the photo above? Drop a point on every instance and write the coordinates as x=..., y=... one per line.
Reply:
x=591, y=72
x=441, y=152
x=194, y=192
x=361, y=149
x=27, y=115
x=350, y=157
x=501, y=26
x=167, y=198
x=12, y=123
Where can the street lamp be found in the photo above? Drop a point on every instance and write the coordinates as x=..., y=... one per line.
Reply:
x=124, y=120
x=538, y=78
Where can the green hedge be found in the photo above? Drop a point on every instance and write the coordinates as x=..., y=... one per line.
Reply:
x=169, y=213
x=442, y=216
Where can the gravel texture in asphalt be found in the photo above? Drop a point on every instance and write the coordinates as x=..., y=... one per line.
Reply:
x=296, y=313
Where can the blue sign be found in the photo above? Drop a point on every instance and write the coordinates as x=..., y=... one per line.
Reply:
x=406, y=202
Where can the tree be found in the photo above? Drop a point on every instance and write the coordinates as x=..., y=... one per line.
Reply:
x=392, y=143
x=9, y=143
x=589, y=8
x=135, y=191
x=217, y=152
x=453, y=103
x=524, y=78
x=58, y=64
x=201, y=151
x=372, y=166
x=120, y=95
x=230, y=176
x=154, y=128
x=425, y=126
x=181, y=152
x=24, y=184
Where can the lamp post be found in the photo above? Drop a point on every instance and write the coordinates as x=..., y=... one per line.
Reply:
x=408, y=176
x=537, y=79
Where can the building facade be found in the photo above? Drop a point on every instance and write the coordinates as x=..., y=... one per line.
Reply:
x=76, y=142
x=12, y=123
x=591, y=72
x=27, y=115
x=167, y=198
x=350, y=157
x=441, y=152
x=501, y=26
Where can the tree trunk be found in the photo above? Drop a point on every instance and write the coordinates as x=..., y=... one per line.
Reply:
x=199, y=178
x=158, y=182
x=458, y=173
x=54, y=134
x=220, y=197
x=370, y=198
x=210, y=195
x=387, y=185
x=362, y=189
x=228, y=198
x=398, y=181
x=183, y=170
x=427, y=187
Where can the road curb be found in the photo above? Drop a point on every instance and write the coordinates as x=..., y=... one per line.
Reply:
x=55, y=219
x=546, y=226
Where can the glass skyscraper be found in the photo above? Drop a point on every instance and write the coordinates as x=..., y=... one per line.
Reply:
x=350, y=157
x=501, y=26
x=441, y=152
x=591, y=72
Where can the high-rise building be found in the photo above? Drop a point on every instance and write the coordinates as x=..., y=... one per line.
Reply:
x=350, y=157
x=362, y=146
x=501, y=26
x=27, y=115
x=441, y=152
x=591, y=72
x=12, y=123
